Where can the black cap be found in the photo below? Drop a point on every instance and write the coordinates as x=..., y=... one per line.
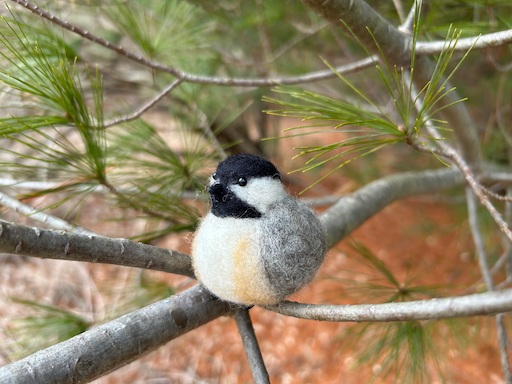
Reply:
x=245, y=165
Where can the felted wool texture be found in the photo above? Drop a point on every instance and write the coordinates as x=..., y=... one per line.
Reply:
x=225, y=203
x=227, y=260
x=293, y=246
x=246, y=165
x=261, y=193
x=258, y=244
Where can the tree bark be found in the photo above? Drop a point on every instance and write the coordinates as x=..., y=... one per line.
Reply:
x=110, y=346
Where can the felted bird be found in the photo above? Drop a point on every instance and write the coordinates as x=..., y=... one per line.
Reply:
x=257, y=244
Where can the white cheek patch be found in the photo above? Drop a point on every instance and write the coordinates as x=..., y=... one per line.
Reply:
x=260, y=192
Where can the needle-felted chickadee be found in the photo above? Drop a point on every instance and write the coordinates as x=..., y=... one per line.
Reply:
x=257, y=245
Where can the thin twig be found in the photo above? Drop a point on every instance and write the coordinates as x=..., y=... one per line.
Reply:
x=136, y=115
x=477, y=239
x=43, y=217
x=252, y=349
x=481, y=304
x=494, y=195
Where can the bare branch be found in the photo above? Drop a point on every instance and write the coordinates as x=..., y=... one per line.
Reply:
x=481, y=304
x=491, y=40
x=503, y=342
x=354, y=209
x=49, y=244
x=136, y=115
x=110, y=346
x=252, y=349
x=50, y=220
x=494, y=195
x=478, y=240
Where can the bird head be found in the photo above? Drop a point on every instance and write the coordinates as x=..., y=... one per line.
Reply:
x=244, y=186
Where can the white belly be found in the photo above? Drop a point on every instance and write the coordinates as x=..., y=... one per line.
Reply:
x=227, y=260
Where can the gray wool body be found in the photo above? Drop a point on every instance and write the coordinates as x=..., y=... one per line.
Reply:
x=293, y=245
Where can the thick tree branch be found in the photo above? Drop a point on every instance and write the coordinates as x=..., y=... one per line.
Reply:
x=49, y=244
x=341, y=219
x=482, y=304
x=353, y=210
x=110, y=346
x=252, y=349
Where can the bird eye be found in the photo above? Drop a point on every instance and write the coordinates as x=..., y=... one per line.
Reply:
x=214, y=175
x=242, y=182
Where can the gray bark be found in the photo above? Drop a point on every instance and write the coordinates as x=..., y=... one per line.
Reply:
x=252, y=349
x=50, y=244
x=110, y=346
x=353, y=210
x=489, y=303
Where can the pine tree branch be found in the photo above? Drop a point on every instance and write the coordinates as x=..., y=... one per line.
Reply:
x=252, y=349
x=354, y=209
x=49, y=244
x=396, y=47
x=187, y=77
x=482, y=304
x=110, y=346
x=43, y=217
